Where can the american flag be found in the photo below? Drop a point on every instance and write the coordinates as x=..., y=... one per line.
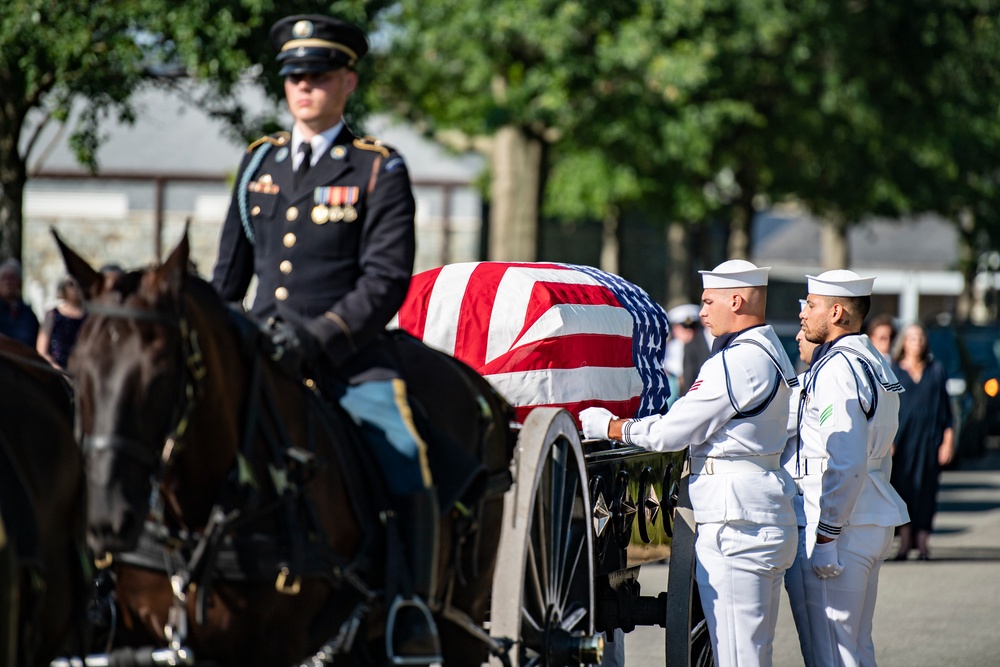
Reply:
x=546, y=334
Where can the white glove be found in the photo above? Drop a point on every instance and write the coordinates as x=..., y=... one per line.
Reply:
x=595, y=422
x=824, y=560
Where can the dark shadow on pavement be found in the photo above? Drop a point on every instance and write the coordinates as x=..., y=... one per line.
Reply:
x=951, y=555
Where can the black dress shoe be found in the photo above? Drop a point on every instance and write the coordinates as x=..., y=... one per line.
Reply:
x=924, y=556
x=900, y=556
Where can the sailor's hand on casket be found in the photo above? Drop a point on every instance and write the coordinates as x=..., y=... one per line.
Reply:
x=595, y=423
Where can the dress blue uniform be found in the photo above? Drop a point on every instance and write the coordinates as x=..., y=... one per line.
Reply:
x=332, y=244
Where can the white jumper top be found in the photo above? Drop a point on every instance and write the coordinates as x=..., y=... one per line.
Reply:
x=734, y=418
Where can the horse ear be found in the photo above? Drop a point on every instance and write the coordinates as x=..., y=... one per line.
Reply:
x=89, y=279
x=171, y=273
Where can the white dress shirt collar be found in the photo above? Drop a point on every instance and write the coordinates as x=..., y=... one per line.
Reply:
x=320, y=143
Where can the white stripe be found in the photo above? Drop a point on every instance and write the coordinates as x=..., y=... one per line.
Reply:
x=567, y=385
x=568, y=319
x=445, y=304
x=512, y=300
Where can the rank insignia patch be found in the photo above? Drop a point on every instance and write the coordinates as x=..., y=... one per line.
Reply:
x=826, y=414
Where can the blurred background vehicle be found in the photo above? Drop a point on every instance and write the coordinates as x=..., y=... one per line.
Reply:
x=971, y=356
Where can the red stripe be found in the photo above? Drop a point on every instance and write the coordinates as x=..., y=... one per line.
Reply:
x=477, y=308
x=474, y=317
x=576, y=351
x=624, y=409
x=413, y=314
x=545, y=295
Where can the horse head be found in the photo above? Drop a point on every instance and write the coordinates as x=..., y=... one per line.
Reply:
x=136, y=366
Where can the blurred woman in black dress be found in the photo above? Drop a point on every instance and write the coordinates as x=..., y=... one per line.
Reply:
x=62, y=324
x=925, y=439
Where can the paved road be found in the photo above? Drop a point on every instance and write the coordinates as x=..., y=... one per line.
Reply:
x=941, y=613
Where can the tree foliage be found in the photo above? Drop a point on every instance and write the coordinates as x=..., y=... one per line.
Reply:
x=691, y=108
x=57, y=56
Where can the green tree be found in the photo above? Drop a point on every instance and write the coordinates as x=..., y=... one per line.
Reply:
x=541, y=81
x=61, y=55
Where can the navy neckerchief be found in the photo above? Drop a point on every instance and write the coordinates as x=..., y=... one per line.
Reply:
x=820, y=351
x=723, y=341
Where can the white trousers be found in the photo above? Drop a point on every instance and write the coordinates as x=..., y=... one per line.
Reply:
x=837, y=625
x=795, y=587
x=739, y=569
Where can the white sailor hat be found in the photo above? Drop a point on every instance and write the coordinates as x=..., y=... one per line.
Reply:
x=684, y=314
x=735, y=273
x=840, y=282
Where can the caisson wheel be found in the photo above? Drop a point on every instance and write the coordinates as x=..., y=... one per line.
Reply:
x=543, y=587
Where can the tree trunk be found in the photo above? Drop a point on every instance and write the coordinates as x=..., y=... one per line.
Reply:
x=739, y=229
x=610, y=244
x=515, y=191
x=968, y=264
x=678, y=265
x=13, y=176
x=834, y=252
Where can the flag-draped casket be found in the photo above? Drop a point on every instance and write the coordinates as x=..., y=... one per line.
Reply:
x=546, y=334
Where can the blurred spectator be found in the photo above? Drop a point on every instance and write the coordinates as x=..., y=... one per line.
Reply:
x=17, y=320
x=696, y=352
x=112, y=273
x=62, y=324
x=925, y=439
x=882, y=331
x=682, y=321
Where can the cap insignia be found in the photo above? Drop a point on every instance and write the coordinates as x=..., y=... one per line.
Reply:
x=302, y=29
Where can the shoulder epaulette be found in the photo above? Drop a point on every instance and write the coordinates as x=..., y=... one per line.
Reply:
x=371, y=144
x=276, y=139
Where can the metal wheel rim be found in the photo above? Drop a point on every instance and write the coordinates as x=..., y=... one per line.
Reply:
x=548, y=529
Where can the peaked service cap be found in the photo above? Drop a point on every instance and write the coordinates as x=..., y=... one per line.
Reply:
x=735, y=273
x=315, y=43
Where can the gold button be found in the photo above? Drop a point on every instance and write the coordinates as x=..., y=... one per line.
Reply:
x=255, y=210
x=285, y=266
x=292, y=213
x=281, y=294
x=289, y=240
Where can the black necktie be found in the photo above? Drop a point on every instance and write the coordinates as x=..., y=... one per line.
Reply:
x=307, y=151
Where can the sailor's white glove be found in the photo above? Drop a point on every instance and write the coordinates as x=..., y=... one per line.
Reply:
x=595, y=423
x=824, y=561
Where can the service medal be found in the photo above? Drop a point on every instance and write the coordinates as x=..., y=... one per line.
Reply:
x=336, y=213
x=320, y=214
x=350, y=213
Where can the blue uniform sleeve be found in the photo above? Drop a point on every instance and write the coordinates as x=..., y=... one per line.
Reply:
x=234, y=267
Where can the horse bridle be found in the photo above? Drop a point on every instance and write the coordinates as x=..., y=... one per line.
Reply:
x=193, y=371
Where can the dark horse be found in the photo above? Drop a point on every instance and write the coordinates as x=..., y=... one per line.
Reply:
x=237, y=507
x=44, y=581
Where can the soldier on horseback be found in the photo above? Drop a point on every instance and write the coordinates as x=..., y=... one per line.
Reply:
x=325, y=220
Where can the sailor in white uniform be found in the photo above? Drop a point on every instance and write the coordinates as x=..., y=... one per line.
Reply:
x=734, y=418
x=794, y=584
x=848, y=419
